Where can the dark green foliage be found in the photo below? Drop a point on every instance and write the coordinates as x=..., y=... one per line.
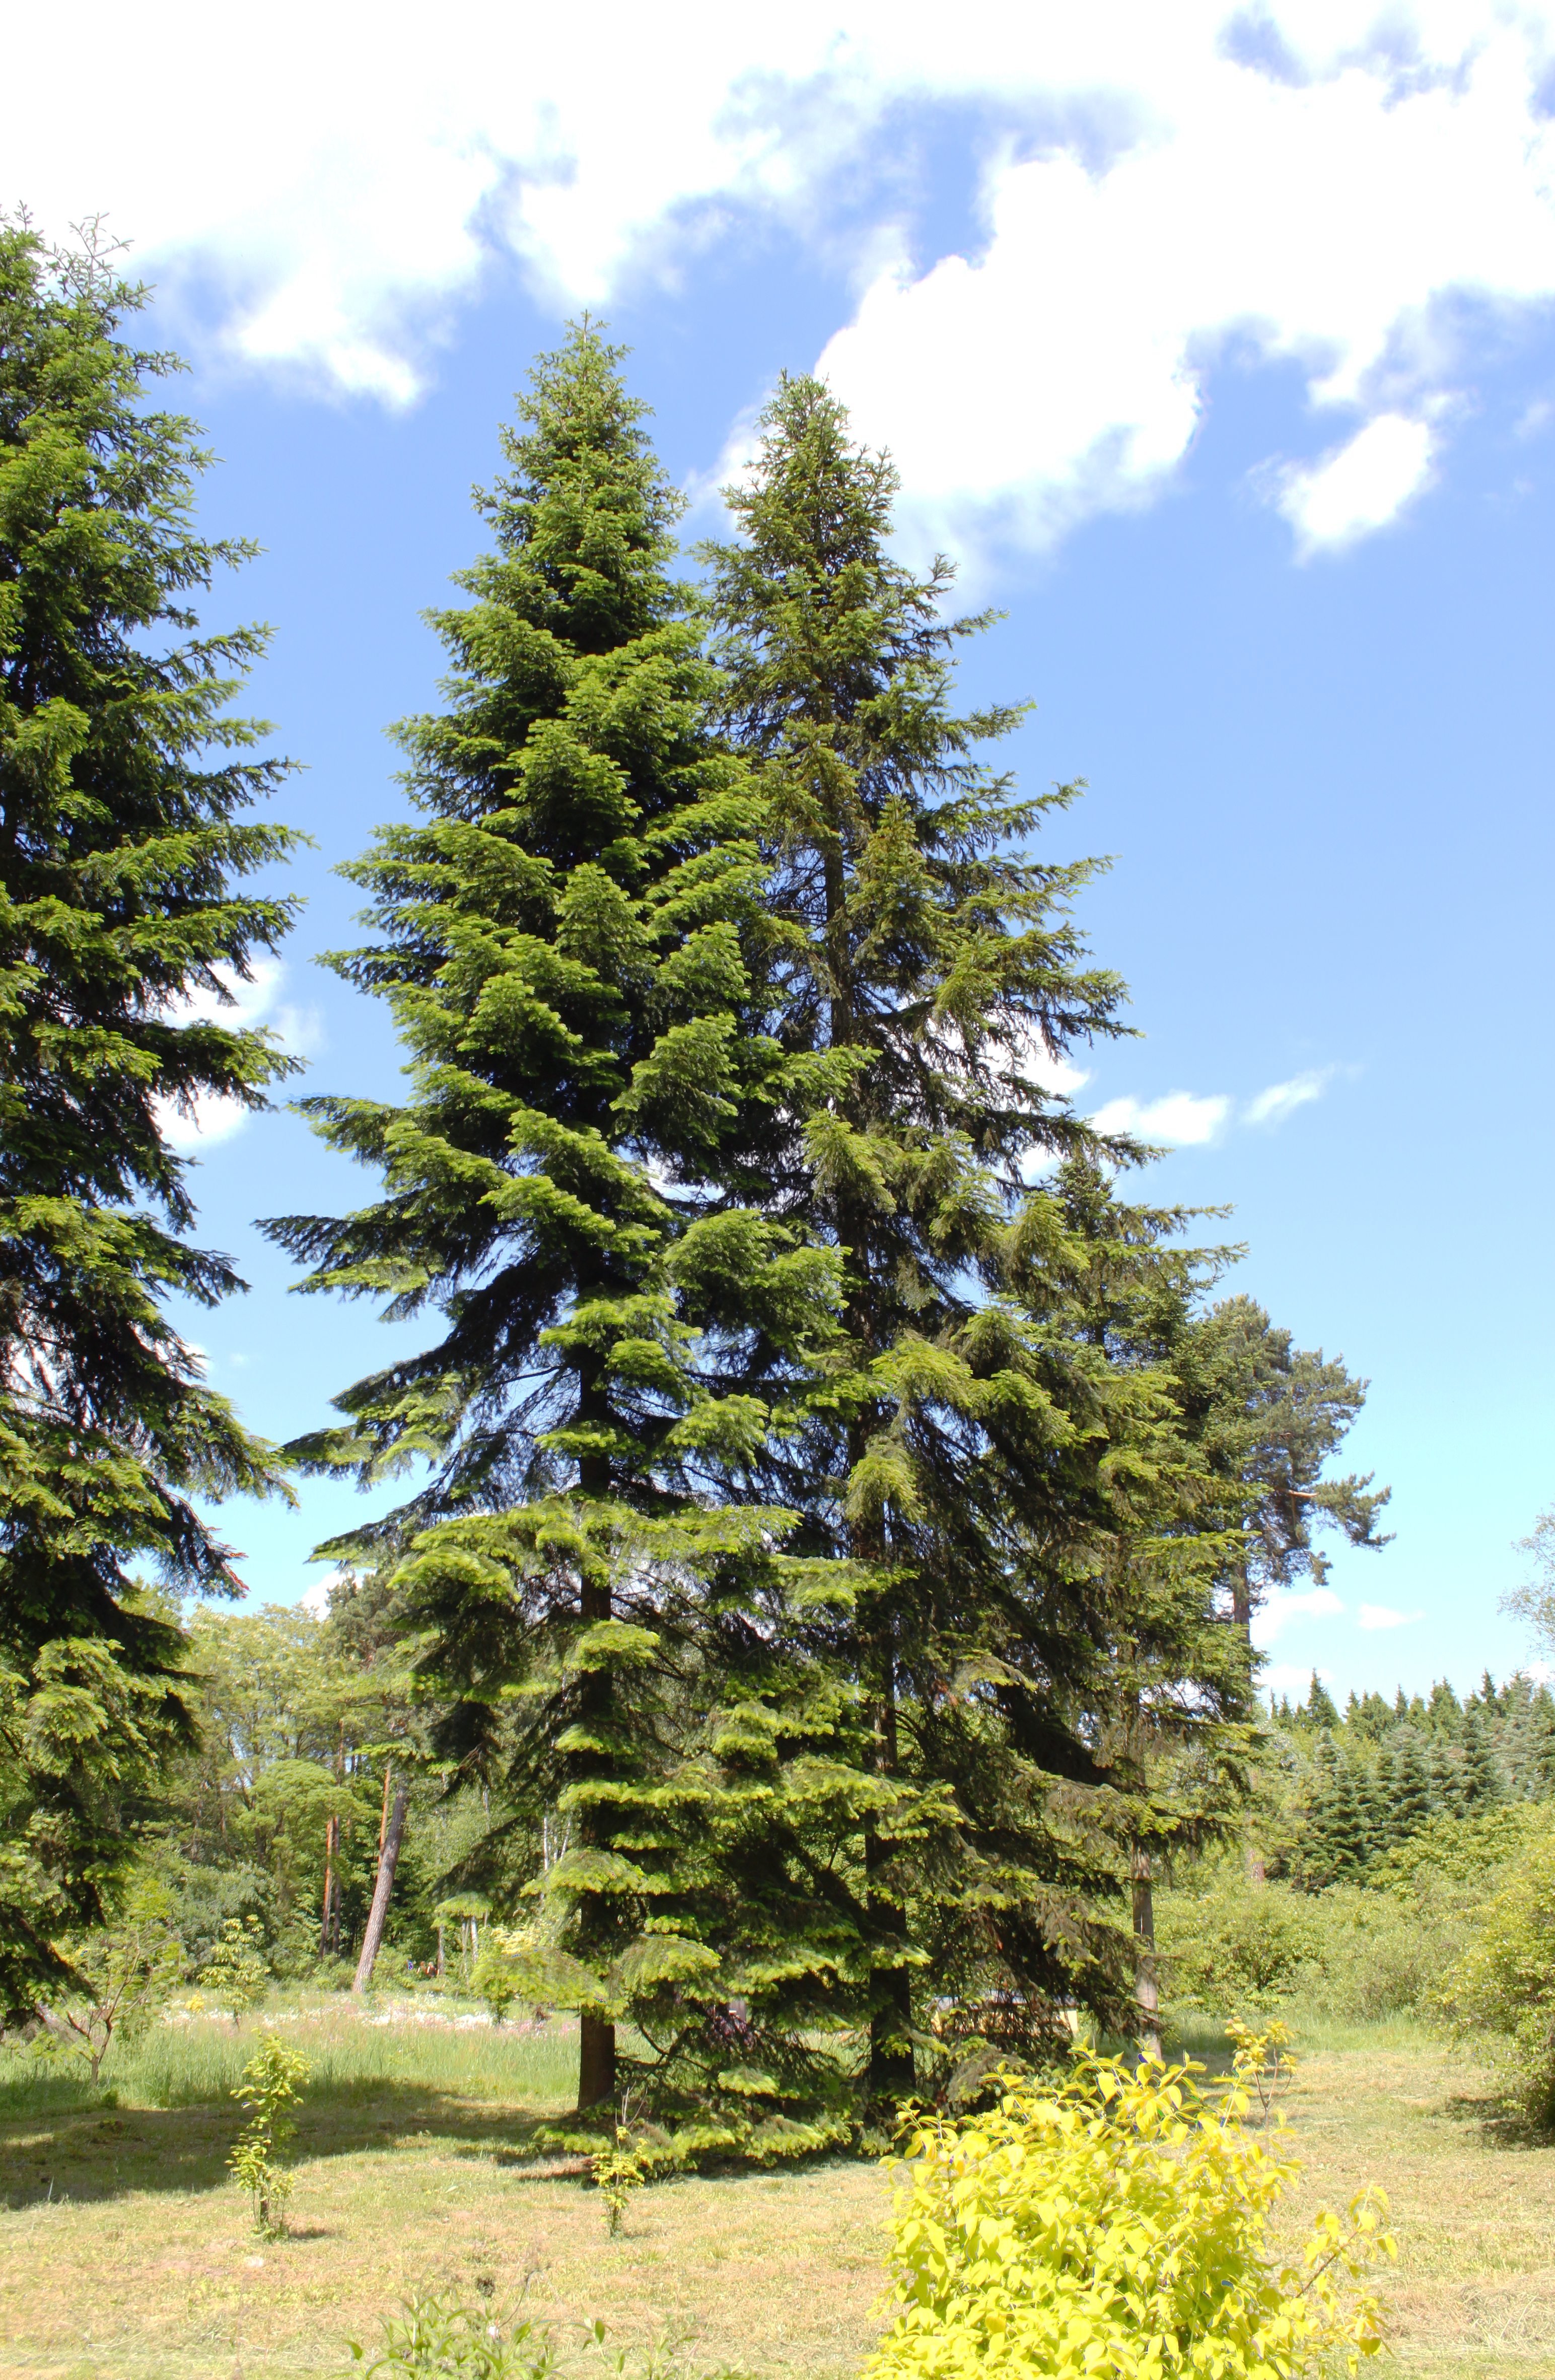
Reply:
x=1380, y=1799
x=1321, y=1710
x=1267, y=1416
x=1412, y=1789
x=564, y=943
x=992, y=1466
x=1447, y=1793
x=123, y=781
x=1481, y=1783
x=1340, y=1837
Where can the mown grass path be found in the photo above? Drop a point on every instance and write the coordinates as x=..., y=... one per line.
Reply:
x=124, y=2250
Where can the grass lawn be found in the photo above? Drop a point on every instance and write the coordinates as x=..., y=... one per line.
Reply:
x=124, y=2250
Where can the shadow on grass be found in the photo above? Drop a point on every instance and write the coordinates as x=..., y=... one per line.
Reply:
x=1501, y=2125
x=91, y=2151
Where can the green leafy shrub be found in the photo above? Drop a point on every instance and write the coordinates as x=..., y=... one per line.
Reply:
x=122, y=1976
x=1236, y=1948
x=235, y=1971
x=1381, y=1953
x=273, y=2081
x=436, y=2333
x=1117, y=2225
x=1503, y=1984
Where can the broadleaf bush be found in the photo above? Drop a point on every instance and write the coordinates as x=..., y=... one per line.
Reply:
x=1118, y=2224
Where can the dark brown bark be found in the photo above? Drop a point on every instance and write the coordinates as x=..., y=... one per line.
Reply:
x=596, y=2034
x=389, y=1860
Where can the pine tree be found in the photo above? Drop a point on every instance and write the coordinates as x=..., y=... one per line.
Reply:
x=122, y=783
x=954, y=1513
x=1267, y=1415
x=562, y=942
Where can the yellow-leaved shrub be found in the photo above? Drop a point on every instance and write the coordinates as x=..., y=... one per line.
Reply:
x=1116, y=2227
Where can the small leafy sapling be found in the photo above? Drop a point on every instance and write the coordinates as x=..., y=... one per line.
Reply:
x=235, y=1970
x=619, y=2169
x=437, y=2334
x=1262, y=2066
x=125, y=1974
x=273, y=2081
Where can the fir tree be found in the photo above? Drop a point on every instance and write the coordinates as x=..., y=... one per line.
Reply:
x=1380, y=1797
x=1320, y=1709
x=1446, y=1781
x=1481, y=1782
x=561, y=941
x=1339, y=1832
x=122, y=783
x=914, y=943
x=1412, y=1789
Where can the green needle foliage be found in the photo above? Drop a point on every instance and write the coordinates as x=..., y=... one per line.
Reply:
x=562, y=940
x=123, y=785
x=989, y=1479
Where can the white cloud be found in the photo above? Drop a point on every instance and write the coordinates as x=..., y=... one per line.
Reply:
x=1282, y=1100
x=1180, y=1116
x=1358, y=488
x=1382, y=1615
x=316, y=1598
x=336, y=180
x=299, y=1030
x=1284, y=1678
x=1316, y=1603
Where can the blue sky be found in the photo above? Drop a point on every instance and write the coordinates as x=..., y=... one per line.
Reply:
x=1218, y=345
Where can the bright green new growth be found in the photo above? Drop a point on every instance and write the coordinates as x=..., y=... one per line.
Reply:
x=123, y=781
x=1119, y=2223
x=273, y=2082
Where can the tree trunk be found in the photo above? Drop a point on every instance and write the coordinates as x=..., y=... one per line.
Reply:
x=1146, y=1992
x=892, y=2073
x=597, y=2060
x=329, y=1826
x=377, y=1916
x=440, y=1950
x=596, y=2034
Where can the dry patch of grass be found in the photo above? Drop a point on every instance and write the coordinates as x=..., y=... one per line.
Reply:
x=126, y=2253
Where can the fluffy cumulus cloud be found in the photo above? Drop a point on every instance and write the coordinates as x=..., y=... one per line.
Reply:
x=255, y=1002
x=1281, y=1610
x=1360, y=486
x=1382, y=1615
x=1181, y=1117
x=1308, y=180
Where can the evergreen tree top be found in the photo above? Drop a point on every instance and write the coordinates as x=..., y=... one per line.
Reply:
x=563, y=943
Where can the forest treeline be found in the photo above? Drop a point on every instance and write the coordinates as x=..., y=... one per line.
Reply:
x=821, y=1529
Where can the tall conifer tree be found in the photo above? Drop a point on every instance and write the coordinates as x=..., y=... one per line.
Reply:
x=561, y=940
x=123, y=781
x=955, y=1426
